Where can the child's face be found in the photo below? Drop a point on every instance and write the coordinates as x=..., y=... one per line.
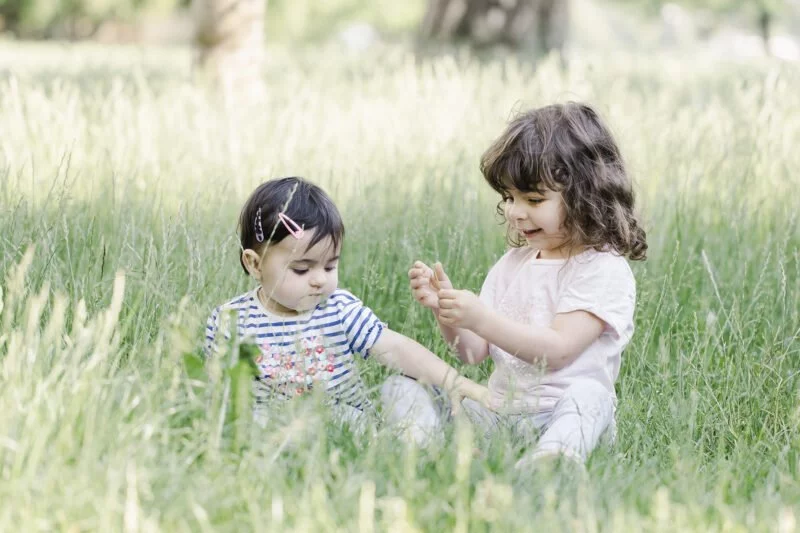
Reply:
x=294, y=279
x=539, y=219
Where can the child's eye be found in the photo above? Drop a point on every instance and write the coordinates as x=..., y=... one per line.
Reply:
x=299, y=271
x=535, y=201
x=330, y=269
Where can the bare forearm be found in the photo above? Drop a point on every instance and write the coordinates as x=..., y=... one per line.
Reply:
x=470, y=347
x=528, y=342
x=399, y=352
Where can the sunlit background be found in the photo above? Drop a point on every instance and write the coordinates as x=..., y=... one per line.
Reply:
x=131, y=132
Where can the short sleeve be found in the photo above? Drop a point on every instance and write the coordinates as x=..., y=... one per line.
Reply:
x=212, y=327
x=215, y=328
x=361, y=326
x=606, y=288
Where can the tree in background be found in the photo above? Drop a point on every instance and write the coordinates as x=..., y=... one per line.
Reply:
x=515, y=23
x=766, y=11
x=229, y=42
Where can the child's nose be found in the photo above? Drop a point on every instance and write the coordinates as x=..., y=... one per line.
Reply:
x=514, y=213
x=317, y=280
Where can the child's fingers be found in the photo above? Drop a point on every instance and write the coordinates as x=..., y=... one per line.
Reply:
x=421, y=266
x=418, y=283
x=420, y=273
x=440, y=273
x=447, y=294
x=447, y=316
x=455, y=405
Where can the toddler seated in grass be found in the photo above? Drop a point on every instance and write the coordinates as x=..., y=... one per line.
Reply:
x=309, y=330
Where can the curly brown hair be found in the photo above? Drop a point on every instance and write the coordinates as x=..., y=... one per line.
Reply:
x=568, y=148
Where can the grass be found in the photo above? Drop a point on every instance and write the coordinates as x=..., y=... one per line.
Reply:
x=116, y=163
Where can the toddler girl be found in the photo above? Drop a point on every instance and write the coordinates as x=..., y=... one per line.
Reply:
x=556, y=311
x=309, y=329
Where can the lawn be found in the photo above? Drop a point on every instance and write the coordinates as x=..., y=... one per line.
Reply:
x=120, y=185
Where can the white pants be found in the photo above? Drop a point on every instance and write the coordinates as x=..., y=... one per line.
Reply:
x=573, y=428
x=413, y=410
x=409, y=409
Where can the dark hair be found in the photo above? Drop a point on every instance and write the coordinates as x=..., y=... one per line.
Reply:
x=305, y=203
x=567, y=148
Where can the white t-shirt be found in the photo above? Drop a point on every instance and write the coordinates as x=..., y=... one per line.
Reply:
x=530, y=290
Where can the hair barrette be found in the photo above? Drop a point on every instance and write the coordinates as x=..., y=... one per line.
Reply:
x=295, y=230
x=259, y=229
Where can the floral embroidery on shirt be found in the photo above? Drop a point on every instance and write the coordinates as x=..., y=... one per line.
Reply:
x=295, y=369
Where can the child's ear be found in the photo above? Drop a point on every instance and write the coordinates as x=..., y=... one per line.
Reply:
x=252, y=261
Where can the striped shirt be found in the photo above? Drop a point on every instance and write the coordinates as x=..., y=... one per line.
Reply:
x=315, y=348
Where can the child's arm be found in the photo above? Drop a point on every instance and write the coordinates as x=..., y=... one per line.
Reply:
x=470, y=347
x=399, y=352
x=556, y=346
x=425, y=285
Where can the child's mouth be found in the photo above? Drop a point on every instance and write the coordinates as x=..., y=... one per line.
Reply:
x=531, y=232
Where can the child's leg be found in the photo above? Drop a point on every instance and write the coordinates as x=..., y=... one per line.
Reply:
x=409, y=407
x=279, y=414
x=359, y=422
x=485, y=420
x=579, y=419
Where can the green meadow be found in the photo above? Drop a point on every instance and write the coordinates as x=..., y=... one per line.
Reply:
x=120, y=186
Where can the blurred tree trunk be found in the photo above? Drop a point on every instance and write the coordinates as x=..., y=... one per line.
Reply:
x=515, y=23
x=229, y=41
x=765, y=27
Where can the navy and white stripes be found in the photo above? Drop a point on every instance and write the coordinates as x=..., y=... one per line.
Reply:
x=308, y=350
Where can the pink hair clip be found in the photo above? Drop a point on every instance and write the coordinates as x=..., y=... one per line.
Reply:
x=295, y=230
x=259, y=229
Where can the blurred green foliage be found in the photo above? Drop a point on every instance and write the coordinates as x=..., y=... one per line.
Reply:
x=74, y=18
x=760, y=14
x=717, y=7
x=290, y=20
x=299, y=20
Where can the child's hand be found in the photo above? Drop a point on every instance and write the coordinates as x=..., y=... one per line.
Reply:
x=422, y=282
x=425, y=283
x=461, y=388
x=459, y=309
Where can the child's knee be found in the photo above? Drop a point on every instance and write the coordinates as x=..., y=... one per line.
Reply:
x=583, y=418
x=401, y=389
x=474, y=410
x=586, y=398
x=408, y=406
